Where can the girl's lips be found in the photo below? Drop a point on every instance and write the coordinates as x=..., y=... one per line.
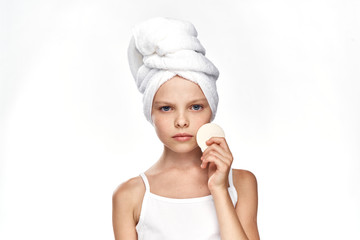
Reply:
x=182, y=139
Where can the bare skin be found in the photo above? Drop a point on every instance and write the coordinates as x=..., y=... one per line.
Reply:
x=185, y=110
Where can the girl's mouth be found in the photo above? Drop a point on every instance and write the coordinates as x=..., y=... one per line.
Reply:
x=182, y=137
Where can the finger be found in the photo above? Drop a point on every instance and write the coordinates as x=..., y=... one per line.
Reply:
x=218, y=149
x=220, y=141
x=223, y=151
x=221, y=165
x=213, y=151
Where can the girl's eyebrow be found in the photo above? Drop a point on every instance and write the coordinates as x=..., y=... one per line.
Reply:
x=169, y=103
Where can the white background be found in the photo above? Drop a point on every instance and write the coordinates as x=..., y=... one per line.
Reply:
x=72, y=126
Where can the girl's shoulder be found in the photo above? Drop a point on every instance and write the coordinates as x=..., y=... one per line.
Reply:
x=244, y=175
x=244, y=181
x=129, y=194
x=130, y=187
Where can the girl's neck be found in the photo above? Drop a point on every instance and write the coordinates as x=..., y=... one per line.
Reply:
x=171, y=159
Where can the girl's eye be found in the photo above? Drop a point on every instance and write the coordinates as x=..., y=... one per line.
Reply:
x=196, y=107
x=165, y=108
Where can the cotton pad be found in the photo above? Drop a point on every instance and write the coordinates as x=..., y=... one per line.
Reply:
x=207, y=131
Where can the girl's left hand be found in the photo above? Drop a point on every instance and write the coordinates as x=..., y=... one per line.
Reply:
x=219, y=157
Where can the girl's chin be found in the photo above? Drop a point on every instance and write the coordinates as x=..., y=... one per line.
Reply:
x=184, y=148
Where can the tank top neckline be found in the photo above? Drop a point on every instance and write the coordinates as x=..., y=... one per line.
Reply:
x=181, y=200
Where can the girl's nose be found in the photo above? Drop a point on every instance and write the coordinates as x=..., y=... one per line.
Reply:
x=181, y=121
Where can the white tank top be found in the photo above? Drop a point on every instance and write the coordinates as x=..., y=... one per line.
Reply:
x=173, y=219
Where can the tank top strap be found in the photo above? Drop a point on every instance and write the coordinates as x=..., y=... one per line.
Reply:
x=231, y=179
x=234, y=196
x=146, y=182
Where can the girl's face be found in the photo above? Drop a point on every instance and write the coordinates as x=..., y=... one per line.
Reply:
x=179, y=106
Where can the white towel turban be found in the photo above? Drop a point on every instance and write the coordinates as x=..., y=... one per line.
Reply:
x=162, y=48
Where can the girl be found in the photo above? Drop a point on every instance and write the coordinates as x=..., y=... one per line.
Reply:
x=187, y=193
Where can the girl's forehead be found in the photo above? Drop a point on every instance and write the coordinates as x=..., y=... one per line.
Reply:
x=179, y=92
x=178, y=84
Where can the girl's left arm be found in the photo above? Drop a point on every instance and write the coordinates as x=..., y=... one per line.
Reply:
x=239, y=222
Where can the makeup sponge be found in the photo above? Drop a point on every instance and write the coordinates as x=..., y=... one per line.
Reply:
x=207, y=131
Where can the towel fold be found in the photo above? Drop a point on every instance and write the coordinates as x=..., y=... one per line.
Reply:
x=162, y=48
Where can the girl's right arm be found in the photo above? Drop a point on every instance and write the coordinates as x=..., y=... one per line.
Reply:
x=123, y=208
